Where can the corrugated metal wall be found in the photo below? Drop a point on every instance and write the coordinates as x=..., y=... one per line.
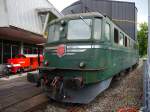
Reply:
x=124, y=12
x=3, y=14
x=23, y=14
x=103, y=6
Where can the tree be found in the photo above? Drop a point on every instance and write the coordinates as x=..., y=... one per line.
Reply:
x=143, y=39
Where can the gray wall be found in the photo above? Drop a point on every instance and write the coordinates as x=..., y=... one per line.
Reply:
x=124, y=14
x=128, y=12
x=3, y=14
x=23, y=14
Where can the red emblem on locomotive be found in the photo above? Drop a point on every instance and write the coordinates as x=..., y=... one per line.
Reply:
x=61, y=50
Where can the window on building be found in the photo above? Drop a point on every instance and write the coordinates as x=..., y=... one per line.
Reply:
x=25, y=50
x=126, y=41
x=121, y=39
x=15, y=50
x=41, y=50
x=0, y=52
x=34, y=50
x=6, y=51
x=116, y=36
x=44, y=19
x=107, y=31
x=29, y=49
x=97, y=29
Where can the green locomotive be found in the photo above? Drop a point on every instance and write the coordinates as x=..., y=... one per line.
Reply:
x=82, y=55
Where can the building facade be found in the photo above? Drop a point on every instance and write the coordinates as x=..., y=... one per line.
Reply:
x=22, y=25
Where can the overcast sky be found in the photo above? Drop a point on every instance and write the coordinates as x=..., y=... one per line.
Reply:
x=142, y=6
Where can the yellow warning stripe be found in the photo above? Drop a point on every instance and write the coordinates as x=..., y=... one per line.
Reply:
x=129, y=21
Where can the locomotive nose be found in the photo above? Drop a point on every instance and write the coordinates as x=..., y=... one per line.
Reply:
x=69, y=55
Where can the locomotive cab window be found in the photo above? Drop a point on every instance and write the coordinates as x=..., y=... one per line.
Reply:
x=79, y=29
x=107, y=31
x=121, y=39
x=116, y=36
x=54, y=33
x=97, y=29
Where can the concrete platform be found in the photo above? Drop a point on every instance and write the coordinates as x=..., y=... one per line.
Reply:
x=18, y=91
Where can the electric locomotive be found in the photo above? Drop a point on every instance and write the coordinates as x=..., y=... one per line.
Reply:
x=82, y=55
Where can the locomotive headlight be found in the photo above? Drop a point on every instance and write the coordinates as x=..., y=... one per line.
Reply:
x=61, y=29
x=82, y=64
x=46, y=63
x=9, y=66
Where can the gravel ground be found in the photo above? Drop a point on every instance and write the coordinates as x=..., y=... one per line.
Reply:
x=125, y=91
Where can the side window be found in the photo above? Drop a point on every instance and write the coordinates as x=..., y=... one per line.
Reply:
x=131, y=44
x=107, y=31
x=97, y=29
x=126, y=41
x=121, y=39
x=116, y=36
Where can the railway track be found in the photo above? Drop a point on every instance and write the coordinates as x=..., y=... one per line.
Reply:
x=25, y=97
x=31, y=104
x=27, y=105
x=76, y=109
x=18, y=95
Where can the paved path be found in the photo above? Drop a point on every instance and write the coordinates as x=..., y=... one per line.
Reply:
x=18, y=95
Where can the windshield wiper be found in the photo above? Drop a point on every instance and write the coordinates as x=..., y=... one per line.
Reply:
x=85, y=21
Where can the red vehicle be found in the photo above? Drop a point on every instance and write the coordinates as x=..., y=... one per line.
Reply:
x=24, y=63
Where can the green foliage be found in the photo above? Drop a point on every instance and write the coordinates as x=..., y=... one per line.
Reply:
x=143, y=39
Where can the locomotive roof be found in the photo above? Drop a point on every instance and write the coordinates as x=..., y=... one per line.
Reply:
x=72, y=16
x=90, y=14
x=94, y=14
